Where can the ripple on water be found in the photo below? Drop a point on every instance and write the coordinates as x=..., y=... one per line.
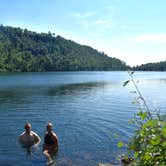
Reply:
x=87, y=109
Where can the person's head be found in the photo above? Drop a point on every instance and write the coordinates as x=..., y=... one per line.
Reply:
x=49, y=127
x=27, y=127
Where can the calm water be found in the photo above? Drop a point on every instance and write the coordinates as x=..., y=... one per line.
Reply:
x=87, y=110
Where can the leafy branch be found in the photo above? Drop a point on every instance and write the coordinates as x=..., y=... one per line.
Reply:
x=140, y=96
x=148, y=144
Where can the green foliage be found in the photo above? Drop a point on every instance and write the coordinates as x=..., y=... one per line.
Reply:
x=23, y=50
x=126, y=82
x=159, y=66
x=120, y=144
x=148, y=145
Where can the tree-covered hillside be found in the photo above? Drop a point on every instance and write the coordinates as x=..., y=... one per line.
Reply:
x=23, y=50
x=160, y=66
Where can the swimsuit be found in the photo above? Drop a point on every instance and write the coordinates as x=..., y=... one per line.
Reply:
x=48, y=139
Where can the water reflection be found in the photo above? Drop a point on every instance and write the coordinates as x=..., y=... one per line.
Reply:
x=28, y=149
x=75, y=88
x=66, y=89
x=156, y=81
x=5, y=94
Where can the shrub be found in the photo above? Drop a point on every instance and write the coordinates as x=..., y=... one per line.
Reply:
x=148, y=145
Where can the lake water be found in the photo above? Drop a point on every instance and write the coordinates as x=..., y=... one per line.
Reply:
x=87, y=109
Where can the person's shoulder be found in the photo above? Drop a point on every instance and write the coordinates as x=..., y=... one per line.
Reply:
x=21, y=136
x=23, y=133
x=34, y=133
x=54, y=134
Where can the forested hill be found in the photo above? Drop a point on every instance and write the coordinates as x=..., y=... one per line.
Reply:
x=160, y=66
x=23, y=50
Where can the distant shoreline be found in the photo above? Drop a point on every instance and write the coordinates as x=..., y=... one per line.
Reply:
x=10, y=72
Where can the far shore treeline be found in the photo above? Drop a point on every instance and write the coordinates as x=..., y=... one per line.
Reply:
x=25, y=51
x=159, y=66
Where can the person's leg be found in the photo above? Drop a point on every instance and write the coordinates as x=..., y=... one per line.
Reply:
x=48, y=156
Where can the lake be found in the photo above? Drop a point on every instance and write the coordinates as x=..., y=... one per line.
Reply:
x=88, y=111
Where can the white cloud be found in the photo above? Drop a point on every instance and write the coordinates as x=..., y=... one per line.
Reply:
x=104, y=22
x=99, y=25
x=88, y=19
x=161, y=37
x=84, y=15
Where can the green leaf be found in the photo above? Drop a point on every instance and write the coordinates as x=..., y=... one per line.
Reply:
x=126, y=82
x=164, y=129
x=135, y=154
x=120, y=144
x=143, y=115
x=164, y=144
x=132, y=72
x=147, y=156
x=155, y=141
x=133, y=91
x=133, y=102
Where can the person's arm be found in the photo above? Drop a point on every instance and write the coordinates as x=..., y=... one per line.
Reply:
x=36, y=138
x=20, y=138
x=55, y=138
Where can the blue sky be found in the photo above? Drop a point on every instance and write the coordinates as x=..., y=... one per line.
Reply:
x=131, y=30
